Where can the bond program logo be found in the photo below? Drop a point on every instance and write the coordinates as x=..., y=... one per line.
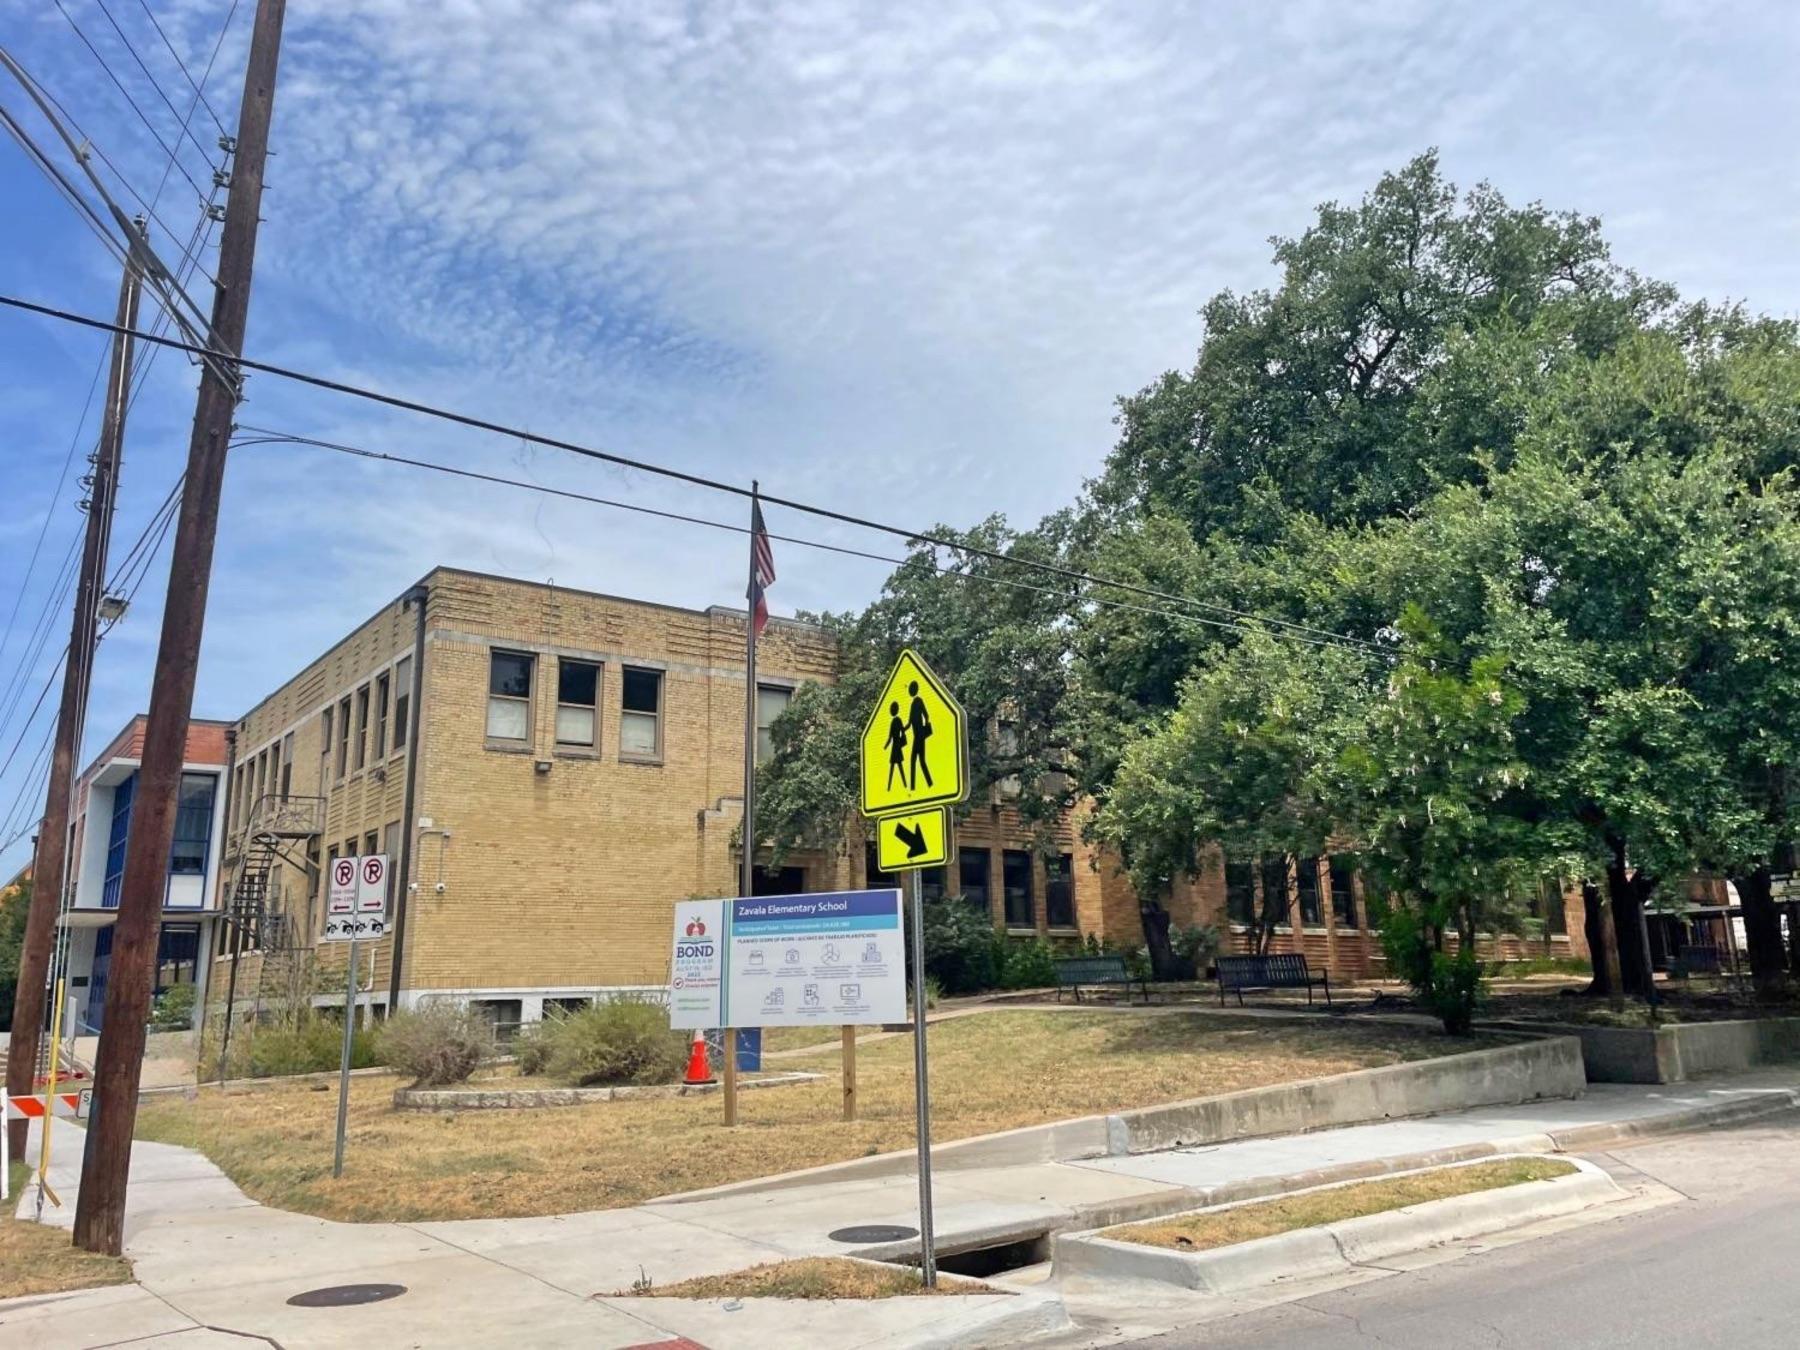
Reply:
x=696, y=929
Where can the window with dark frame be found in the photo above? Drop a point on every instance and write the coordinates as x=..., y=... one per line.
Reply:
x=931, y=883
x=1551, y=907
x=1276, y=910
x=402, y=700
x=640, y=713
x=382, y=692
x=873, y=877
x=1015, y=883
x=287, y=765
x=324, y=748
x=193, y=824
x=343, y=749
x=1306, y=877
x=1240, y=891
x=509, y=696
x=972, y=873
x=1343, y=891
x=362, y=727
x=1059, y=890
x=577, y=692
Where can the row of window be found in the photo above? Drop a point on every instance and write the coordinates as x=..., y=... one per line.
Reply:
x=384, y=707
x=512, y=679
x=1018, y=884
x=270, y=770
x=1280, y=888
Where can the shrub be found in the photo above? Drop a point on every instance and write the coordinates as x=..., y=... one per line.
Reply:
x=1030, y=964
x=173, y=1009
x=623, y=1040
x=1194, y=946
x=531, y=1047
x=962, y=951
x=1450, y=987
x=308, y=1044
x=437, y=1043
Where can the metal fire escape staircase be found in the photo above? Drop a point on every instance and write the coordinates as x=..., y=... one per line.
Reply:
x=278, y=832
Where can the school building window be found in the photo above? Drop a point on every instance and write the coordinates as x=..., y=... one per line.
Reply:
x=193, y=825
x=1550, y=908
x=287, y=764
x=509, y=696
x=640, y=714
x=1275, y=889
x=873, y=877
x=577, y=687
x=116, y=840
x=972, y=873
x=1240, y=891
x=362, y=726
x=1059, y=890
x=343, y=751
x=381, y=714
x=402, y=700
x=1343, y=892
x=1306, y=874
x=324, y=747
x=771, y=702
x=1015, y=880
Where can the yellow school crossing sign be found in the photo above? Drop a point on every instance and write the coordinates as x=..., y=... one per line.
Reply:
x=915, y=748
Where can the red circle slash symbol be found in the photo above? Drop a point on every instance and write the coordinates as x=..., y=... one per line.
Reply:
x=372, y=868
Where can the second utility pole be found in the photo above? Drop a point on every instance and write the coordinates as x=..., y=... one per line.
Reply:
x=49, y=869
x=106, y=1168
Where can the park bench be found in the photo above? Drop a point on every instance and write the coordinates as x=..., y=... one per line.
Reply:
x=1278, y=970
x=1072, y=972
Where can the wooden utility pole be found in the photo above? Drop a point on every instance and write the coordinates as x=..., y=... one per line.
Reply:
x=49, y=869
x=100, y=1206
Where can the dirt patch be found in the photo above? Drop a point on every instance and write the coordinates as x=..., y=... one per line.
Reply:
x=1266, y=1218
x=814, y=1277
x=38, y=1259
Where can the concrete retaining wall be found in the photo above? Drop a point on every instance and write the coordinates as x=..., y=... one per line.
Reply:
x=1675, y=1052
x=1335, y=1248
x=1503, y=1076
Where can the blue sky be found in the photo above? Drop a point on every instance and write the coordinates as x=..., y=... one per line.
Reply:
x=896, y=259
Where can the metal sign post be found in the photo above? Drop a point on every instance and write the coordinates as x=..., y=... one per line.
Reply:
x=356, y=906
x=921, y=1084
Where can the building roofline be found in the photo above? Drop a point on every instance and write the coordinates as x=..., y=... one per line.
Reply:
x=104, y=756
x=446, y=569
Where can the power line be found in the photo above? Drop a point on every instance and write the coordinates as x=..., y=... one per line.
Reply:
x=118, y=84
x=269, y=436
x=227, y=142
x=1067, y=574
x=198, y=89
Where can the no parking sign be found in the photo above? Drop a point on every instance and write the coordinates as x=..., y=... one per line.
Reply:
x=356, y=907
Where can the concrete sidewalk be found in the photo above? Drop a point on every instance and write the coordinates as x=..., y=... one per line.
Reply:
x=210, y=1261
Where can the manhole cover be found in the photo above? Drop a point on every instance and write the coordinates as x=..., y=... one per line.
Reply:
x=346, y=1295
x=872, y=1232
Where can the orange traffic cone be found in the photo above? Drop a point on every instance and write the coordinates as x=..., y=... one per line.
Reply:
x=698, y=1070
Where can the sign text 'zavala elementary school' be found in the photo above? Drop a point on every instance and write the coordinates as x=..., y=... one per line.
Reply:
x=785, y=961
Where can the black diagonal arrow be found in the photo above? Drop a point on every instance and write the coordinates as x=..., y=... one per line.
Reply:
x=911, y=836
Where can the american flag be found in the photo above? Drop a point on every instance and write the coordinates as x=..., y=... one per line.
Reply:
x=762, y=569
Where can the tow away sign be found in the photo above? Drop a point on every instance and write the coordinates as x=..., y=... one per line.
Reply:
x=357, y=901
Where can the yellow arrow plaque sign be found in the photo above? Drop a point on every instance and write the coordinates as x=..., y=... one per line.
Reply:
x=919, y=839
x=915, y=748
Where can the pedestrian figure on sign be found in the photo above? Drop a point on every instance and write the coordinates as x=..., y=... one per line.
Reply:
x=896, y=744
x=918, y=721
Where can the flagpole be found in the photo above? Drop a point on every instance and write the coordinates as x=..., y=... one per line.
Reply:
x=747, y=875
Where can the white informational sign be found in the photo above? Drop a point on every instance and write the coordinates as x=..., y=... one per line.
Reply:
x=357, y=899
x=834, y=959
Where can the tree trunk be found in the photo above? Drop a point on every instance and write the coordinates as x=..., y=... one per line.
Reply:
x=1594, y=924
x=1627, y=894
x=1156, y=921
x=1762, y=933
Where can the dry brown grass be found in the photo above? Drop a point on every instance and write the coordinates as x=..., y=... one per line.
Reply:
x=38, y=1259
x=815, y=1277
x=990, y=1072
x=1245, y=1223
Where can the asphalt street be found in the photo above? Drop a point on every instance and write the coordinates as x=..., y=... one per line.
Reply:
x=1721, y=1268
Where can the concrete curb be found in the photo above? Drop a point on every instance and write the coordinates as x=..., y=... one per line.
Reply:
x=1336, y=1248
x=1502, y=1076
x=1023, y=1315
x=520, y=1099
